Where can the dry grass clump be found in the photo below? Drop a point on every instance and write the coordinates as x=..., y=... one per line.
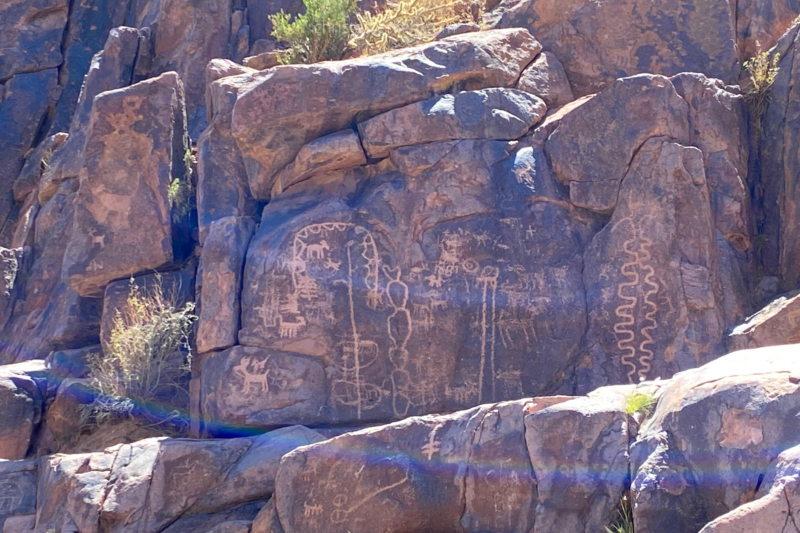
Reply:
x=320, y=34
x=623, y=522
x=148, y=357
x=762, y=70
x=406, y=23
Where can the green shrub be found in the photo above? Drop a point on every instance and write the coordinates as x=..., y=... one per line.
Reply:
x=182, y=190
x=762, y=71
x=321, y=34
x=148, y=356
x=639, y=401
x=623, y=522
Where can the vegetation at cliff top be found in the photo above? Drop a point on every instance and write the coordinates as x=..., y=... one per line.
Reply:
x=324, y=32
x=762, y=70
x=149, y=355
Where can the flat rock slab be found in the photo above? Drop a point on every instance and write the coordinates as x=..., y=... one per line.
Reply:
x=778, y=323
x=123, y=222
x=486, y=114
x=305, y=102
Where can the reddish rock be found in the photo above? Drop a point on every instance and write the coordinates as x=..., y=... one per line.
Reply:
x=112, y=68
x=503, y=114
x=117, y=231
x=337, y=151
x=760, y=23
x=578, y=451
x=222, y=188
x=327, y=97
x=457, y=29
x=600, y=42
x=652, y=275
x=223, y=265
x=251, y=387
x=22, y=396
x=18, y=500
x=712, y=437
x=263, y=61
x=32, y=35
x=27, y=100
x=777, y=503
x=38, y=161
x=9, y=270
x=546, y=78
x=63, y=420
x=777, y=323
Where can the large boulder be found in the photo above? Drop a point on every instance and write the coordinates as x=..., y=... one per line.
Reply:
x=598, y=42
x=715, y=431
x=777, y=504
x=777, y=323
x=22, y=399
x=123, y=210
x=307, y=101
x=32, y=35
x=546, y=78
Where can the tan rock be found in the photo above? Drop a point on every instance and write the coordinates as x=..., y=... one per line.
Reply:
x=711, y=439
x=22, y=397
x=600, y=42
x=305, y=102
x=223, y=264
x=337, y=151
x=545, y=78
x=118, y=232
x=505, y=114
x=263, y=61
x=777, y=323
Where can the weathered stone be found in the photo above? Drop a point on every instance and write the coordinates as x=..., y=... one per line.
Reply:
x=186, y=37
x=503, y=114
x=233, y=526
x=22, y=397
x=415, y=483
x=437, y=274
x=578, y=451
x=17, y=496
x=776, y=184
x=117, y=231
x=32, y=34
x=252, y=478
x=712, y=437
x=327, y=97
x=263, y=61
x=267, y=520
x=36, y=163
x=760, y=23
x=546, y=78
x=223, y=266
x=22, y=111
x=90, y=24
x=206, y=523
x=337, y=151
x=457, y=29
x=62, y=422
x=71, y=363
x=600, y=42
x=176, y=288
x=261, y=26
x=222, y=187
x=778, y=323
x=777, y=503
x=655, y=265
x=593, y=145
x=9, y=270
x=252, y=387
x=112, y=68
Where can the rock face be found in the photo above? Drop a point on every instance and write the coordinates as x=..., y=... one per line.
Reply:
x=545, y=78
x=778, y=323
x=32, y=33
x=18, y=483
x=22, y=400
x=332, y=96
x=150, y=123
x=714, y=433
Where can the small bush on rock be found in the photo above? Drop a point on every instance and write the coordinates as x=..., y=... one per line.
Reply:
x=321, y=34
x=408, y=22
x=148, y=358
x=762, y=71
x=623, y=522
x=639, y=401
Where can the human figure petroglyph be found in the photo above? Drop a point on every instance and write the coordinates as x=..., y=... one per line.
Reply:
x=97, y=239
x=515, y=332
x=257, y=376
x=94, y=266
x=640, y=276
x=399, y=327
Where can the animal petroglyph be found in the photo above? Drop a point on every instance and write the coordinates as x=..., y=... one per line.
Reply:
x=638, y=291
x=310, y=511
x=97, y=239
x=290, y=328
x=252, y=372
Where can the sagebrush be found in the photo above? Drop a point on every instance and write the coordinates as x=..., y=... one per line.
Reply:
x=320, y=34
x=148, y=356
x=639, y=401
x=406, y=23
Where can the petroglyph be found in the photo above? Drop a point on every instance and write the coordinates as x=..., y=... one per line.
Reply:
x=310, y=511
x=399, y=327
x=290, y=328
x=97, y=239
x=10, y=498
x=94, y=266
x=637, y=292
x=433, y=446
x=794, y=320
x=252, y=372
x=340, y=514
x=488, y=279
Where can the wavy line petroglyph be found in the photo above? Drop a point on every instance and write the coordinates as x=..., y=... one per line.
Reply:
x=638, y=250
x=340, y=514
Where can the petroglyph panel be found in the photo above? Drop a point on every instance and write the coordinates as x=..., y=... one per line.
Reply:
x=256, y=387
x=652, y=276
x=17, y=494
